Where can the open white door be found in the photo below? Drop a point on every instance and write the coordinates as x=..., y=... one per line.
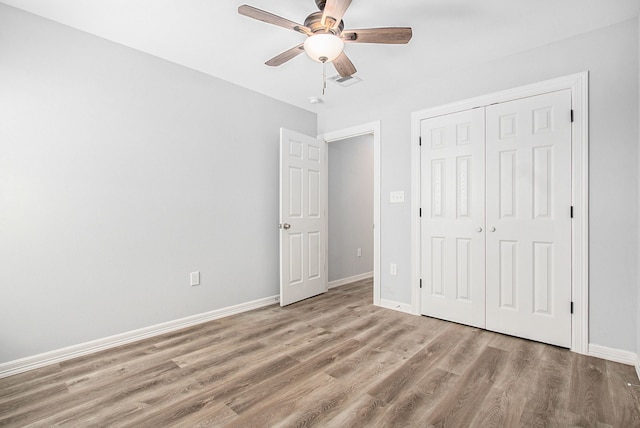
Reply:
x=302, y=217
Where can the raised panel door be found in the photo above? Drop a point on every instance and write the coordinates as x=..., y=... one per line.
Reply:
x=302, y=220
x=528, y=200
x=452, y=223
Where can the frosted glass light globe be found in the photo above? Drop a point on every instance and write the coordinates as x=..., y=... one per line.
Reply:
x=323, y=47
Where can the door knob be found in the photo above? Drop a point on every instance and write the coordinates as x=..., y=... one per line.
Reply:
x=479, y=230
x=285, y=226
x=492, y=229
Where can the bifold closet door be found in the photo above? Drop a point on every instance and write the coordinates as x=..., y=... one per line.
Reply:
x=452, y=222
x=528, y=202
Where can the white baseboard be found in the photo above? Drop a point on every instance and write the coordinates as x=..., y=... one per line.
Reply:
x=617, y=355
x=349, y=280
x=638, y=367
x=58, y=355
x=396, y=306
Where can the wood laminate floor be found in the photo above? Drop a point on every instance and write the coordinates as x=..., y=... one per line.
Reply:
x=334, y=360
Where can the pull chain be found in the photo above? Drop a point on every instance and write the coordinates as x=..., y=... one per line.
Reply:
x=324, y=77
x=324, y=73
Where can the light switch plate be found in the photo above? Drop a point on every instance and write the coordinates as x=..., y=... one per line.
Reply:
x=396, y=197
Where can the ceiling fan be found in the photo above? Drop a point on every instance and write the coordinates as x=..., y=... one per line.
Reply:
x=326, y=35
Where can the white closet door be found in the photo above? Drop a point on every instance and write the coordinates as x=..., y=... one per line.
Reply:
x=452, y=226
x=528, y=151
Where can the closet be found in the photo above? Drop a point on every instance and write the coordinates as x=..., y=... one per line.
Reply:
x=496, y=217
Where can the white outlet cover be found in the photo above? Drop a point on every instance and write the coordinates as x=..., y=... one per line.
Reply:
x=195, y=278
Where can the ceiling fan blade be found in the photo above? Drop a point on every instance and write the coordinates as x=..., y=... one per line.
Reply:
x=270, y=18
x=333, y=12
x=286, y=56
x=344, y=66
x=389, y=35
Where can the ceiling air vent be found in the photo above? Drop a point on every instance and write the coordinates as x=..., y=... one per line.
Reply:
x=345, y=81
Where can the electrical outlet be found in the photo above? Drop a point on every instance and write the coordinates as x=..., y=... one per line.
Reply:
x=359, y=252
x=195, y=278
x=394, y=269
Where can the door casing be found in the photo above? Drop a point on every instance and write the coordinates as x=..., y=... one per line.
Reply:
x=578, y=84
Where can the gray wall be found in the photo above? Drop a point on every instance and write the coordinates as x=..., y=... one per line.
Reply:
x=120, y=173
x=350, y=207
x=611, y=56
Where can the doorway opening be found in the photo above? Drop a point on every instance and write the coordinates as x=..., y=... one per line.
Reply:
x=347, y=259
x=350, y=215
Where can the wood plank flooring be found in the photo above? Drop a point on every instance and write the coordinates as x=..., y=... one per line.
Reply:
x=333, y=361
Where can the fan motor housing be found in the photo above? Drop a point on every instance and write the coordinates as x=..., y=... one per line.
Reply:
x=321, y=3
x=313, y=22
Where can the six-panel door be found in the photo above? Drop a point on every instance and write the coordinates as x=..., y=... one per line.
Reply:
x=452, y=222
x=528, y=150
x=507, y=268
x=302, y=217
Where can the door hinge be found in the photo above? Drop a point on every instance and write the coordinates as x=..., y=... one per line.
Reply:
x=571, y=115
x=420, y=212
x=420, y=140
x=571, y=211
x=420, y=282
x=571, y=307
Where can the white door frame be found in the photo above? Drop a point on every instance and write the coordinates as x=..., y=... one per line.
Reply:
x=372, y=128
x=578, y=83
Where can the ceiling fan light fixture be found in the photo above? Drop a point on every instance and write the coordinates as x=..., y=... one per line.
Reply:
x=323, y=47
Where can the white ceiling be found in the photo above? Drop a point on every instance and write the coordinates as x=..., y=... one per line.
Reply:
x=210, y=36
